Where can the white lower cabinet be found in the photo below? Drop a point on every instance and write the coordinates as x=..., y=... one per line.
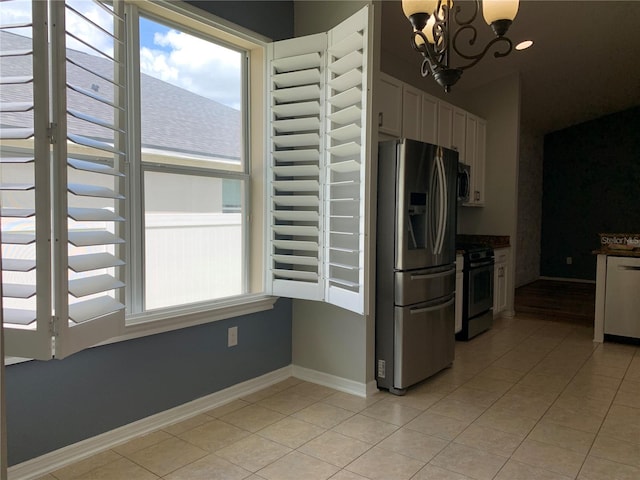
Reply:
x=501, y=281
x=459, y=292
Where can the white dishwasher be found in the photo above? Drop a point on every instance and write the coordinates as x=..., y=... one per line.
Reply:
x=622, y=297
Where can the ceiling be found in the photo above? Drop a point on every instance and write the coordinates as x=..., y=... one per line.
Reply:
x=585, y=62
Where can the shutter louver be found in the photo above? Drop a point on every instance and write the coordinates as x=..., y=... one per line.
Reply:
x=90, y=169
x=345, y=159
x=297, y=87
x=25, y=191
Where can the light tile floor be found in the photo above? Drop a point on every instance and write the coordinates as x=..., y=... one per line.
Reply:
x=530, y=399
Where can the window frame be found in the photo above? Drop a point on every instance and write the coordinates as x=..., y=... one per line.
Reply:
x=197, y=22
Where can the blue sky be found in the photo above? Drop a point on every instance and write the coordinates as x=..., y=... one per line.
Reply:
x=173, y=56
x=148, y=28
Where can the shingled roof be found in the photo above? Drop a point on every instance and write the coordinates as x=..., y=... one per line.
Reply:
x=173, y=119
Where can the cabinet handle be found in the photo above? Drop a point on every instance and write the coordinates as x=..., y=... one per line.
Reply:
x=380, y=118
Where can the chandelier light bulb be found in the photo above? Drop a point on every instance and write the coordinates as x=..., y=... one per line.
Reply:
x=499, y=11
x=410, y=7
x=427, y=31
x=418, y=11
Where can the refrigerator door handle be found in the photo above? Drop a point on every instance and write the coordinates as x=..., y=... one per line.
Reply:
x=440, y=306
x=434, y=231
x=444, y=273
x=445, y=204
x=442, y=190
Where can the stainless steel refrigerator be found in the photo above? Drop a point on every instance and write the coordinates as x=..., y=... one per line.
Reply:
x=415, y=267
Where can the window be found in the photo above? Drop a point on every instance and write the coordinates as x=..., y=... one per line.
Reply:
x=193, y=168
x=125, y=170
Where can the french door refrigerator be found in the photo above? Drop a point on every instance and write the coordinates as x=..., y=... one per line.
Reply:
x=415, y=264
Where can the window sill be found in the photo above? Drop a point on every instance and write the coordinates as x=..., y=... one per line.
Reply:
x=168, y=320
x=173, y=319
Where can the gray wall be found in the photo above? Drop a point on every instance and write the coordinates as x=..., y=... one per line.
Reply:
x=529, y=208
x=591, y=185
x=57, y=403
x=273, y=18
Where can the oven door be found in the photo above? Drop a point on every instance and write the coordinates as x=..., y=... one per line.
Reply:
x=478, y=289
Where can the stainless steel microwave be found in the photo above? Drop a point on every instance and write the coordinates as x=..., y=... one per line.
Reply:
x=464, y=183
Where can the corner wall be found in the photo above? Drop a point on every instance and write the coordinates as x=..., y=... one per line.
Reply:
x=529, y=208
x=327, y=339
x=499, y=103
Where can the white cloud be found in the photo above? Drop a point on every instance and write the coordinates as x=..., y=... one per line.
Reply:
x=88, y=32
x=19, y=11
x=181, y=59
x=196, y=65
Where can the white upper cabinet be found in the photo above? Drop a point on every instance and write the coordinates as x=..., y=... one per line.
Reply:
x=458, y=133
x=405, y=111
x=411, y=113
x=317, y=157
x=475, y=157
x=388, y=104
x=429, y=119
x=445, y=124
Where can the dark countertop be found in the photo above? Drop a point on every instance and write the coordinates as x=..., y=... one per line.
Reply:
x=493, y=241
x=617, y=253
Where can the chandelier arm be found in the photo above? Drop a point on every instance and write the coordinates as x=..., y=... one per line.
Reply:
x=479, y=56
x=431, y=54
x=458, y=17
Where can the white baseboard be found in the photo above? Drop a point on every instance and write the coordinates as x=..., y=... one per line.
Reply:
x=37, y=467
x=332, y=381
x=49, y=462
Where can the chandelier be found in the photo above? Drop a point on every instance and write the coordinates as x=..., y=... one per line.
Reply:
x=434, y=36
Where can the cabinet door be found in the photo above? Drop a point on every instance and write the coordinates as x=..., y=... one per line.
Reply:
x=500, y=281
x=429, y=119
x=411, y=113
x=470, y=150
x=458, y=133
x=459, y=293
x=478, y=172
x=445, y=124
x=389, y=105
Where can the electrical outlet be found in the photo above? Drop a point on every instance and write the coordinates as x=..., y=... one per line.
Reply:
x=569, y=260
x=382, y=368
x=232, y=336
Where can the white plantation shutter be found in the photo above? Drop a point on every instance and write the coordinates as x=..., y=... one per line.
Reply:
x=25, y=191
x=317, y=166
x=345, y=162
x=296, y=143
x=80, y=164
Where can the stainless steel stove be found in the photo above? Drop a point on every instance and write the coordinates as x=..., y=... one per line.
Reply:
x=477, y=310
